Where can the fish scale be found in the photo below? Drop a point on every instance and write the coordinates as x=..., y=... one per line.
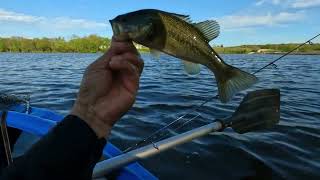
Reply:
x=181, y=37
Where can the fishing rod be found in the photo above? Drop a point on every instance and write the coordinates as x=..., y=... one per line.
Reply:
x=286, y=54
x=258, y=110
x=168, y=125
x=6, y=102
x=194, y=110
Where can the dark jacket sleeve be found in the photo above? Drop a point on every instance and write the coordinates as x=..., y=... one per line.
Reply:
x=69, y=151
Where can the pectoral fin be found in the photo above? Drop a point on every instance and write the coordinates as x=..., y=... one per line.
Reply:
x=155, y=53
x=191, y=68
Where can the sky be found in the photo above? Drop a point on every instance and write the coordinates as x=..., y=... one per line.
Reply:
x=241, y=21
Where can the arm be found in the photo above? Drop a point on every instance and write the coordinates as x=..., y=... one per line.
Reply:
x=71, y=149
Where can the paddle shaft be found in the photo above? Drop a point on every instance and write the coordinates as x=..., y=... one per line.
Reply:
x=109, y=165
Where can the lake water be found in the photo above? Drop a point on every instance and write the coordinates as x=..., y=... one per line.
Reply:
x=291, y=150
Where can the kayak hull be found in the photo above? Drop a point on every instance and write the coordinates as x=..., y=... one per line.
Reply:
x=39, y=121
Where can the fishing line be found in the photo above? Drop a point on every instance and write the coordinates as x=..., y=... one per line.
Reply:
x=194, y=110
x=286, y=54
x=170, y=124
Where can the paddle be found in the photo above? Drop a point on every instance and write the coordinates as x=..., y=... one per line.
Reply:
x=258, y=110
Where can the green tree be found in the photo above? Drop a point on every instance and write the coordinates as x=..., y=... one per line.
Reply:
x=27, y=45
x=43, y=45
x=2, y=47
x=13, y=44
x=60, y=45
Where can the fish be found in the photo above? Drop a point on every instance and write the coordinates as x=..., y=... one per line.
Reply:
x=176, y=35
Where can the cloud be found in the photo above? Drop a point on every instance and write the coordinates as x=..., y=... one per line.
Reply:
x=274, y=2
x=233, y=22
x=290, y=3
x=68, y=23
x=58, y=23
x=305, y=3
x=8, y=16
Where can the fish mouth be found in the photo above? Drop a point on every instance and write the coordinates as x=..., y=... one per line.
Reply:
x=115, y=27
x=119, y=31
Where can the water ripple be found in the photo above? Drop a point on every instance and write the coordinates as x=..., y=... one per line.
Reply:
x=288, y=151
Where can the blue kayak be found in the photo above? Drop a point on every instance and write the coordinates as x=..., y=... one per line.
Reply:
x=39, y=121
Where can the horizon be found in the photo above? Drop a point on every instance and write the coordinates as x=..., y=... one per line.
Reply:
x=214, y=45
x=249, y=22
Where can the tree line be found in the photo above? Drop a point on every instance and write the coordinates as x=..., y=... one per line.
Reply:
x=270, y=48
x=87, y=44
x=94, y=43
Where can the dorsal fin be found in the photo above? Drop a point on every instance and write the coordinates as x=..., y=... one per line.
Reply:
x=183, y=17
x=210, y=29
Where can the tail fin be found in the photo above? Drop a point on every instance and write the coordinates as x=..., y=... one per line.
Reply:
x=231, y=80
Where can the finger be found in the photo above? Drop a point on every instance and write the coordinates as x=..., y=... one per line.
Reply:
x=119, y=63
x=115, y=49
x=118, y=47
x=101, y=62
x=128, y=72
x=134, y=59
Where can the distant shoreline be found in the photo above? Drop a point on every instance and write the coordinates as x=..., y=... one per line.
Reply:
x=97, y=44
x=148, y=51
x=145, y=51
x=280, y=53
x=308, y=49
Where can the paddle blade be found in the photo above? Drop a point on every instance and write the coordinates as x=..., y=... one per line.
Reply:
x=258, y=110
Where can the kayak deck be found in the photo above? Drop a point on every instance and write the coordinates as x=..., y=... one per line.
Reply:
x=39, y=121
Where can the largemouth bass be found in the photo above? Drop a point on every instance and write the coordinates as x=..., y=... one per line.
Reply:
x=176, y=35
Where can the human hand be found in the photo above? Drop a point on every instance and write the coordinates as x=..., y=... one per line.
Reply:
x=109, y=87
